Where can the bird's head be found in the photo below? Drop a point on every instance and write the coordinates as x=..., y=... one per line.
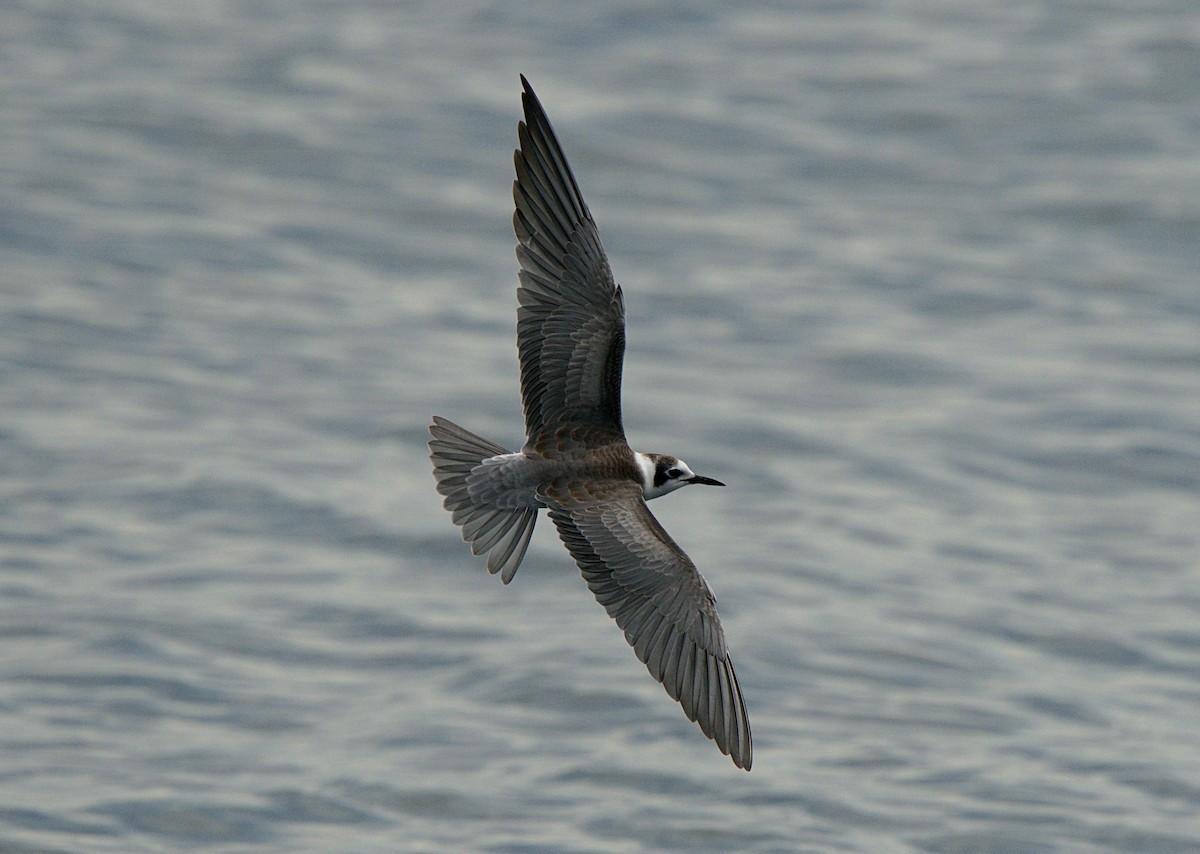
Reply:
x=662, y=473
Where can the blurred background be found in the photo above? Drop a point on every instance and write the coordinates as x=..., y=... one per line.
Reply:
x=917, y=280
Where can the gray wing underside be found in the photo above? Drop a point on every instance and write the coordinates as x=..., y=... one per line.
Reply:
x=571, y=320
x=669, y=616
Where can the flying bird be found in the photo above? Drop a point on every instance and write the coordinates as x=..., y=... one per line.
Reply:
x=576, y=462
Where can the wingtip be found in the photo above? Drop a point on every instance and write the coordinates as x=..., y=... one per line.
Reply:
x=528, y=89
x=532, y=103
x=741, y=753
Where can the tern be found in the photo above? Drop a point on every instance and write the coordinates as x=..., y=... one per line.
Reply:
x=576, y=462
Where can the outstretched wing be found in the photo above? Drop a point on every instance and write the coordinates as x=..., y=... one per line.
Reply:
x=571, y=320
x=662, y=602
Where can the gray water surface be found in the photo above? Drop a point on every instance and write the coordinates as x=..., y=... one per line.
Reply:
x=917, y=280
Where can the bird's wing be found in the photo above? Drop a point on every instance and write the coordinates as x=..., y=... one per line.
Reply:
x=662, y=602
x=571, y=320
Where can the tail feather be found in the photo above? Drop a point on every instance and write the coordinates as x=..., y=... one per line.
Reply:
x=501, y=532
x=482, y=527
x=509, y=550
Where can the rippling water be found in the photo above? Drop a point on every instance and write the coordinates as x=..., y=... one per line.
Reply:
x=918, y=281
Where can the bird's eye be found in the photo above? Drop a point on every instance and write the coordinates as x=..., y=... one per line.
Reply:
x=674, y=473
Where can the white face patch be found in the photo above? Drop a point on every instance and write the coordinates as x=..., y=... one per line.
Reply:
x=684, y=471
x=648, y=465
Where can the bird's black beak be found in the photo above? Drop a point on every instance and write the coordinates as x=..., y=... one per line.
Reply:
x=704, y=481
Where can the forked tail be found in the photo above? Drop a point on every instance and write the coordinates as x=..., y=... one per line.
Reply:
x=502, y=532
